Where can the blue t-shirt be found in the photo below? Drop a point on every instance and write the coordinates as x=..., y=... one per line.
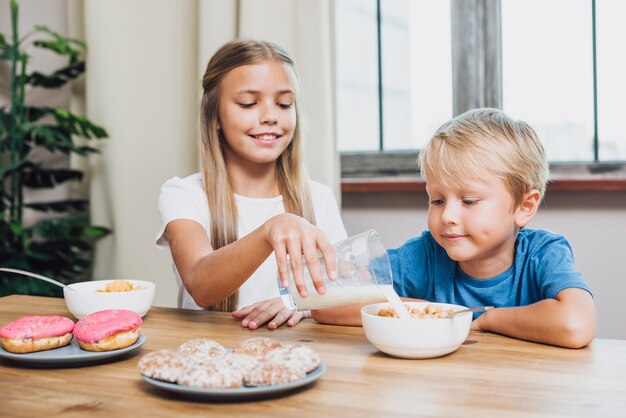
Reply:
x=543, y=266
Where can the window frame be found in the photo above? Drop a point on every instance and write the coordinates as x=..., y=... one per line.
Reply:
x=477, y=66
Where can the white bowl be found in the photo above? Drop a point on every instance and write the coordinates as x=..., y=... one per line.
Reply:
x=415, y=338
x=86, y=300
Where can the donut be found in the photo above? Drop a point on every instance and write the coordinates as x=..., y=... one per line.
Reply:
x=202, y=350
x=164, y=365
x=295, y=356
x=257, y=347
x=36, y=333
x=108, y=330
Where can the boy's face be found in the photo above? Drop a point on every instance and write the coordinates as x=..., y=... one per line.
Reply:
x=476, y=223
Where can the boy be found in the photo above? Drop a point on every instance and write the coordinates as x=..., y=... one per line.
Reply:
x=485, y=177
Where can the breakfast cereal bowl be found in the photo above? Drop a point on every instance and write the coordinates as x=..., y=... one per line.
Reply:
x=98, y=295
x=414, y=337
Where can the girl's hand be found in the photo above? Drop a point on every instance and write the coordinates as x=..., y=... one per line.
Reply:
x=293, y=236
x=271, y=310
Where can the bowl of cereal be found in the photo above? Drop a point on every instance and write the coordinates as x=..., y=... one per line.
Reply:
x=428, y=333
x=85, y=298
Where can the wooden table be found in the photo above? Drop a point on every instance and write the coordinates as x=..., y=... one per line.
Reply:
x=489, y=376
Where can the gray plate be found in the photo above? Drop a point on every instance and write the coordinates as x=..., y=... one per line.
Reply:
x=70, y=355
x=239, y=394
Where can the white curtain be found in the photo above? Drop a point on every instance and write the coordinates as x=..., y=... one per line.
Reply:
x=145, y=61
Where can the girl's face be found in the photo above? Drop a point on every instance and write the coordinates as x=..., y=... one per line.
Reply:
x=475, y=223
x=257, y=112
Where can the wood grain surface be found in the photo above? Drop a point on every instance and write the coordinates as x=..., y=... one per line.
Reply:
x=488, y=376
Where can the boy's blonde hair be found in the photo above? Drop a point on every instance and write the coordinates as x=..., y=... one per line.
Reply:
x=291, y=175
x=486, y=141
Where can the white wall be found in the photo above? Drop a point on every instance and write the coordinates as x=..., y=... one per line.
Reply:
x=593, y=222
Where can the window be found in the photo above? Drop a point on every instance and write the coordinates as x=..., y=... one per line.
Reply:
x=406, y=66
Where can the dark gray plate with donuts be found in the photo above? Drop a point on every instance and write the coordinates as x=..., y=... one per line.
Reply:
x=70, y=355
x=242, y=393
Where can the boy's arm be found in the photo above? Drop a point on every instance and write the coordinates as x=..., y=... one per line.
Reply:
x=567, y=321
x=340, y=315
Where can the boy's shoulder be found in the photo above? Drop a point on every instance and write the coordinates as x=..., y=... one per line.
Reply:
x=538, y=235
x=537, y=241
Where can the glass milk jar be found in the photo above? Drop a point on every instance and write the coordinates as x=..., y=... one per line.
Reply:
x=363, y=276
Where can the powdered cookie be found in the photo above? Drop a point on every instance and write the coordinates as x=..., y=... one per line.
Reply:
x=216, y=374
x=257, y=347
x=202, y=350
x=164, y=365
x=242, y=362
x=272, y=374
x=295, y=356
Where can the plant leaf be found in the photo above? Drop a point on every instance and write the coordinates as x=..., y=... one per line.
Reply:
x=6, y=49
x=60, y=206
x=57, y=78
x=38, y=178
x=60, y=44
x=55, y=138
x=68, y=228
x=17, y=166
x=79, y=125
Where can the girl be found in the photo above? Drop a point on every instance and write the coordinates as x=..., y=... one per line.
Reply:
x=252, y=197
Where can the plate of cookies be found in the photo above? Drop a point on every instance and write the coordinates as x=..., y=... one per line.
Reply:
x=255, y=368
x=56, y=341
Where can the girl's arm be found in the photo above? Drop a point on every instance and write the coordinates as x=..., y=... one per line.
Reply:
x=212, y=275
x=567, y=321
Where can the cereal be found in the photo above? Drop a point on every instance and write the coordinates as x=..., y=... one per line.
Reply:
x=120, y=286
x=431, y=311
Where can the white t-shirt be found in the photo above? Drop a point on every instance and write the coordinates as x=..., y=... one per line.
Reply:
x=185, y=199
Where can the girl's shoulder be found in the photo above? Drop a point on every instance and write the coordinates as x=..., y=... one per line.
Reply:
x=192, y=182
x=319, y=189
x=190, y=188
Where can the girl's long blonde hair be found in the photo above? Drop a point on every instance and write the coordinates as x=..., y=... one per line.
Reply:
x=290, y=173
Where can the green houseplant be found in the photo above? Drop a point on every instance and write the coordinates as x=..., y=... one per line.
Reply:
x=59, y=245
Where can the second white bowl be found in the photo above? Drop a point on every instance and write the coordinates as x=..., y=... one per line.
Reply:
x=415, y=338
x=87, y=300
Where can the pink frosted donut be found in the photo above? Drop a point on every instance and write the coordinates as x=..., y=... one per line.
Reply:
x=107, y=330
x=36, y=333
